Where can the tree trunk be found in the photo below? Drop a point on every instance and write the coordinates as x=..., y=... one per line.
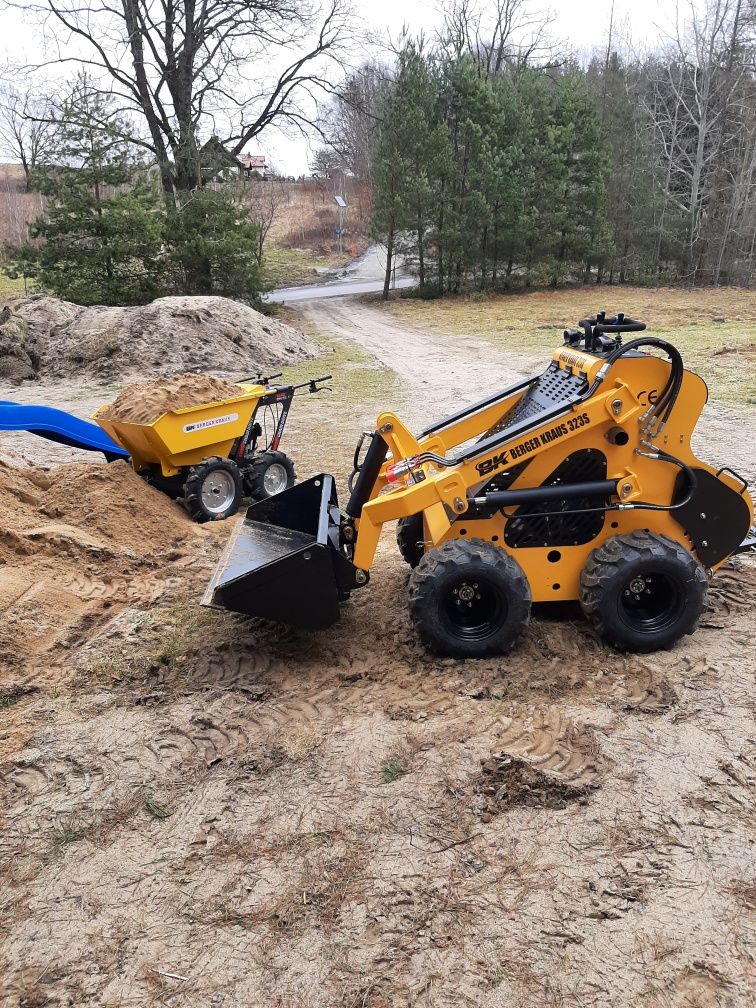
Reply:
x=420, y=248
x=483, y=243
x=389, y=261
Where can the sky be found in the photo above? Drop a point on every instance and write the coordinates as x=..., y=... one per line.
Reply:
x=582, y=24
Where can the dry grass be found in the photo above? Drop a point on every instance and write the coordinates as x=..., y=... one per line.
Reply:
x=166, y=636
x=9, y=287
x=284, y=267
x=700, y=322
x=302, y=241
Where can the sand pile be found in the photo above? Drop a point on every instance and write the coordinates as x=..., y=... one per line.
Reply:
x=84, y=508
x=48, y=337
x=74, y=542
x=146, y=401
x=16, y=364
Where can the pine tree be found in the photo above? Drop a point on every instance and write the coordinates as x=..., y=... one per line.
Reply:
x=506, y=178
x=99, y=239
x=408, y=162
x=630, y=181
x=213, y=247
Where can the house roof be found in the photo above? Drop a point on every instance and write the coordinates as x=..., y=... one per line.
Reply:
x=252, y=160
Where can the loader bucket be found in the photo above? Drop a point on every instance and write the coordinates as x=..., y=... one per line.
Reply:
x=283, y=561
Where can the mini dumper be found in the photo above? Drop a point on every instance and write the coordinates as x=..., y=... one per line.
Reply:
x=576, y=484
x=209, y=457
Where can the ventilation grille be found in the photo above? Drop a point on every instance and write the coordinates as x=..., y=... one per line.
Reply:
x=532, y=526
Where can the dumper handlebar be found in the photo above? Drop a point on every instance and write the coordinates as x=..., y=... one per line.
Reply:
x=312, y=383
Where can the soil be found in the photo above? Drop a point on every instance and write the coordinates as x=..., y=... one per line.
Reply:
x=46, y=337
x=202, y=810
x=144, y=402
x=73, y=536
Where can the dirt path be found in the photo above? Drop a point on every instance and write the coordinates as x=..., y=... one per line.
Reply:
x=442, y=362
x=199, y=810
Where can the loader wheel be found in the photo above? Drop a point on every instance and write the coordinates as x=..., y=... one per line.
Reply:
x=270, y=474
x=409, y=538
x=642, y=591
x=213, y=490
x=469, y=599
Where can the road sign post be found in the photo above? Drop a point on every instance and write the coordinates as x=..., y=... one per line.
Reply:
x=342, y=208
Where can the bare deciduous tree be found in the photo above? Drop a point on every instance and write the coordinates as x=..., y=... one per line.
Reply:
x=24, y=126
x=352, y=119
x=498, y=33
x=694, y=103
x=264, y=200
x=233, y=67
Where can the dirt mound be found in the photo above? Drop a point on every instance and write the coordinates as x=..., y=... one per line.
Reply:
x=73, y=541
x=15, y=361
x=114, y=504
x=146, y=401
x=547, y=761
x=104, y=508
x=48, y=337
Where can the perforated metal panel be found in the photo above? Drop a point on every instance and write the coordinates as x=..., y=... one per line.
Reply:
x=538, y=525
x=555, y=386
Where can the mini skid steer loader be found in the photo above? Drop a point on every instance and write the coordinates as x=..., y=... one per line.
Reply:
x=575, y=484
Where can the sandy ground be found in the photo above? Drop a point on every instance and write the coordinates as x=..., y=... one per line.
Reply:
x=203, y=811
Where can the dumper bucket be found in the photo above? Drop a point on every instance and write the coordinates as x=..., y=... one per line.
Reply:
x=284, y=561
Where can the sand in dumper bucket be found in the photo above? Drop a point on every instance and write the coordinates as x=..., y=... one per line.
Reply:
x=284, y=563
x=144, y=402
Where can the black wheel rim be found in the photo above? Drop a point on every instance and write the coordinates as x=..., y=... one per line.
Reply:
x=651, y=601
x=474, y=608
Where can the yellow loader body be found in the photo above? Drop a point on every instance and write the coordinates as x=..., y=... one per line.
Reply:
x=579, y=483
x=551, y=577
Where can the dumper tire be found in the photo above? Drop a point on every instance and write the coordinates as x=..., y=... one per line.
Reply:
x=264, y=465
x=409, y=539
x=642, y=591
x=469, y=599
x=213, y=490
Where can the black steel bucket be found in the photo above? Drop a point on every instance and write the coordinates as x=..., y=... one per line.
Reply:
x=284, y=561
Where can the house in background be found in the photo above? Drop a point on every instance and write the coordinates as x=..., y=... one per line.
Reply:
x=252, y=165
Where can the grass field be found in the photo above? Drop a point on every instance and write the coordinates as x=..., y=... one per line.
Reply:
x=715, y=329
x=9, y=287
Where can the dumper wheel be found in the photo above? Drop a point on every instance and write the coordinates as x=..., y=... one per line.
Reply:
x=642, y=591
x=270, y=474
x=409, y=539
x=213, y=490
x=469, y=599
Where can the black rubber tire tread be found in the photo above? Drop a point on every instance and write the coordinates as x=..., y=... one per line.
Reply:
x=409, y=535
x=467, y=557
x=192, y=498
x=607, y=572
x=256, y=472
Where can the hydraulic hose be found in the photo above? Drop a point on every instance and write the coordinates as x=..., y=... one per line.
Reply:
x=657, y=453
